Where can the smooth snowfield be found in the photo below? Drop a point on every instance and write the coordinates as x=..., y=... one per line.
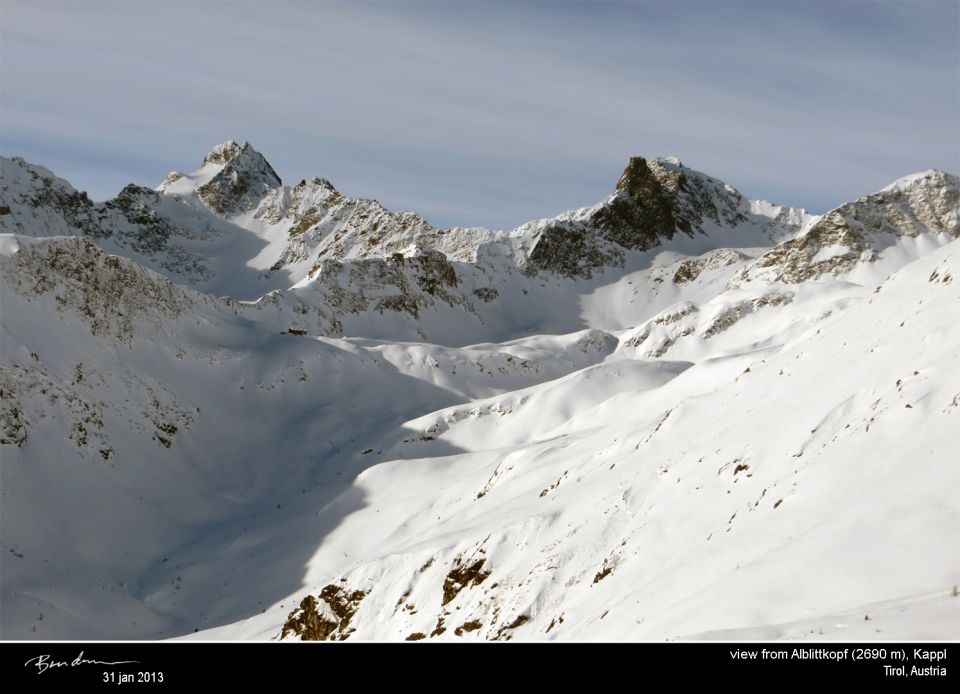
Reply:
x=675, y=447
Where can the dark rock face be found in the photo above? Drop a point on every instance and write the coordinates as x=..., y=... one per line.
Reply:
x=462, y=575
x=653, y=201
x=434, y=272
x=637, y=217
x=641, y=212
x=571, y=250
x=326, y=619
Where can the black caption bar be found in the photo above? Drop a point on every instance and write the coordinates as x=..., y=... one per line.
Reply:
x=151, y=666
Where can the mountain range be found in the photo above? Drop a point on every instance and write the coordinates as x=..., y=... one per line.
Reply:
x=237, y=409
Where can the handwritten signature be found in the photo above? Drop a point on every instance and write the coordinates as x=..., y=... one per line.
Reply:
x=43, y=662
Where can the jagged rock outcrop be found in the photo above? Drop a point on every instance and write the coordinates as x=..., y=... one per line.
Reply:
x=572, y=250
x=326, y=619
x=654, y=201
x=322, y=224
x=657, y=199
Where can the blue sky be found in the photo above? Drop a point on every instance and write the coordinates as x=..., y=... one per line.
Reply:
x=487, y=113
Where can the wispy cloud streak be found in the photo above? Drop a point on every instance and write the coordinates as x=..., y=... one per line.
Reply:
x=488, y=113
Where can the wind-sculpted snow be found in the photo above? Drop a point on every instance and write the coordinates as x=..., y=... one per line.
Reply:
x=235, y=409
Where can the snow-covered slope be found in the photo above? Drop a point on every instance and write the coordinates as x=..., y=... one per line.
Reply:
x=246, y=410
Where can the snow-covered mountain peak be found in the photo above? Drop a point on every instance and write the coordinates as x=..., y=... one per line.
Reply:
x=243, y=159
x=233, y=179
x=928, y=201
x=930, y=177
x=655, y=201
x=246, y=178
x=224, y=152
x=642, y=174
x=910, y=216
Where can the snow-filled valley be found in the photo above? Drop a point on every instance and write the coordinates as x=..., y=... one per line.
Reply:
x=234, y=409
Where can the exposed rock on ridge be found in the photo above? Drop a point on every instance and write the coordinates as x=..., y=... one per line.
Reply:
x=654, y=200
x=857, y=231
